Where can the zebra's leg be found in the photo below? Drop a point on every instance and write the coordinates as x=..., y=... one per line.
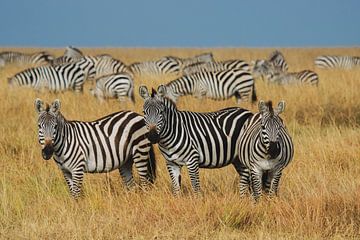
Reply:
x=256, y=183
x=244, y=184
x=275, y=180
x=74, y=180
x=193, y=168
x=141, y=164
x=175, y=175
x=127, y=174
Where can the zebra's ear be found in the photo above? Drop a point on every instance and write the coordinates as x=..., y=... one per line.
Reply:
x=144, y=92
x=263, y=107
x=280, y=108
x=39, y=105
x=161, y=90
x=55, y=106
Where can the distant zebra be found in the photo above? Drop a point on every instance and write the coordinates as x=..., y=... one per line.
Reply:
x=71, y=54
x=265, y=149
x=191, y=139
x=216, y=66
x=106, y=65
x=54, y=78
x=23, y=58
x=165, y=65
x=116, y=141
x=278, y=61
x=345, y=62
x=118, y=85
x=215, y=85
x=264, y=69
x=168, y=64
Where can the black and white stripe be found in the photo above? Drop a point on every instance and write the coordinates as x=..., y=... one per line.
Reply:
x=216, y=66
x=214, y=85
x=119, y=86
x=106, y=65
x=191, y=139
x=265, y=149
x=23, y=58
x=264, y=69
x=53, y=78
x=116, y=141
x=71, y=54
x=278, y=61
x=344, y=62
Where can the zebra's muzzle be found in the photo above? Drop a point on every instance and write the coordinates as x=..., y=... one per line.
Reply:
x=274, y=149
x=153, y=136
x=47, y=152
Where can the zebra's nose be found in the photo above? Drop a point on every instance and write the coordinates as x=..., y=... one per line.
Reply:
x=274, y=149
x=47, y=151
x=153, y=136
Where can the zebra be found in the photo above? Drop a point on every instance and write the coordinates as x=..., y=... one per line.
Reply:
x=265, y=149
x=191, y=139
x=278, y=61
x=264, y=69
x=216, y=66
x=116, y=141
x=71, y=54
x=168, y=64
x=215, y=85
x=54, y=78
x=165, y=65
x=118, y=85
x=38, y=58
x=345, y=62
x=106, y=65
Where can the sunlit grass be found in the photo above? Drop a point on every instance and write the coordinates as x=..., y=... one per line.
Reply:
x=319, y=190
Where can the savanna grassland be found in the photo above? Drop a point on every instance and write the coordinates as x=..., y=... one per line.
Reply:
x=319, y=191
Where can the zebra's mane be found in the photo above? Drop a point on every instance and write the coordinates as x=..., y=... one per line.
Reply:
x=269, y=104
x=47, y=108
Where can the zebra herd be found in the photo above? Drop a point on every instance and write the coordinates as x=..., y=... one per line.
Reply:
x=258, y=145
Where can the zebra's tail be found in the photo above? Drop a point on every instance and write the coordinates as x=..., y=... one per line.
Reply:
x=151, y=174
x=253, y=95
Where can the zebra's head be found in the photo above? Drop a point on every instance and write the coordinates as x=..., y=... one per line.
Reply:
x=260, y=68
x=47, y=125
x=271, y=125
x=154, y=109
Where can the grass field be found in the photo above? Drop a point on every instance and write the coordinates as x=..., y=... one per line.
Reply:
x=319, y=191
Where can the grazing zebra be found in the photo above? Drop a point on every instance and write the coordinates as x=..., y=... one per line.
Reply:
x=118, y=85
x=191, y=139
x=54, y=78
x=215, y=85
x=71, y=54
x=264, y=69
x=198, y=59
x=345, y=62
x=278, y=61
x=265, y=149
x=23, y=58
x=113, y=142
x=106, y=65
x=216, y=66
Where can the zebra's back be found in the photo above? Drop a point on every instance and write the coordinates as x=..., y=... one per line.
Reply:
x=345, y=62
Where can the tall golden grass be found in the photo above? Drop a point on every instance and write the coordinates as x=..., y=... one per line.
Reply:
x=319, y=191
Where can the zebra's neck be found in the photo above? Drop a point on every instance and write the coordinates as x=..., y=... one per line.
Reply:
x=64, y=129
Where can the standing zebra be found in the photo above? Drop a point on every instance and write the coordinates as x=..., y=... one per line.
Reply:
x=345, y=62
x=265, y=149
x=191, y=139
x=112, y=142
x=264, y=69
x=106, y=65
x=54, y=78
x=23, y=58
x=215, y=85
x=278, y=61
x=71, y=54
x=117, y=85
x=216, y=66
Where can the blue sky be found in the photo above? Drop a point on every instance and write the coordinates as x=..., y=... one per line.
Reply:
x=186, y=23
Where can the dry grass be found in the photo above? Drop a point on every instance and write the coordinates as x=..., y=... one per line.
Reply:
x=319, y=192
